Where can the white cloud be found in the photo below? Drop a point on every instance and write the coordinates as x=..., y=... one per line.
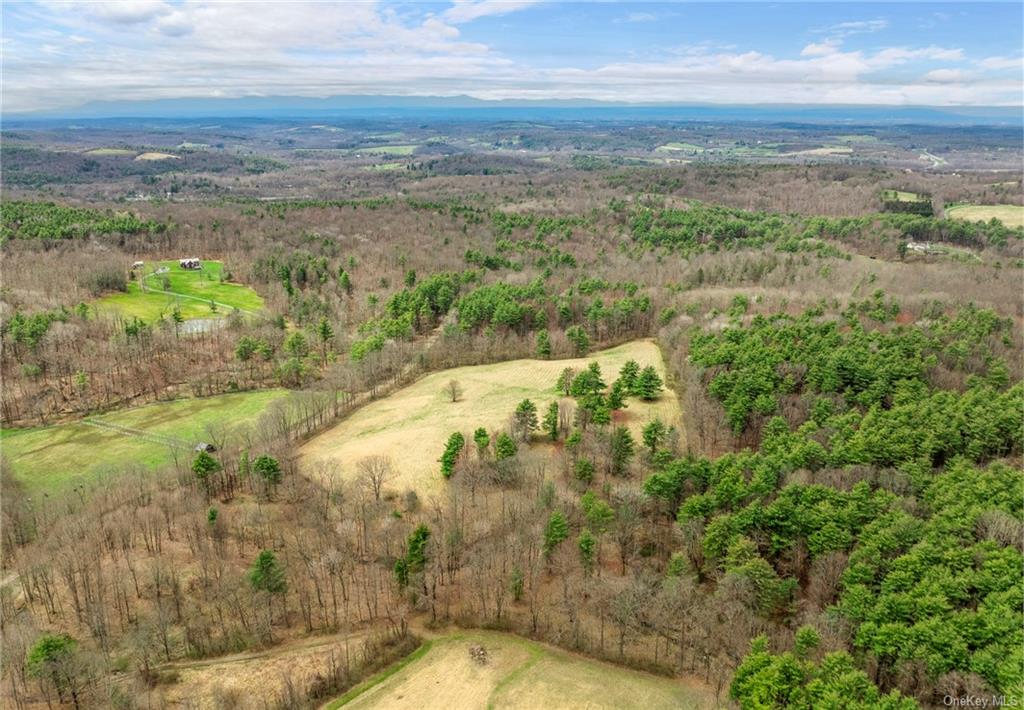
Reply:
x=468, y=10
x=197, y=48
x=997, y=63
x=944, y=76
x=641, y=17
x=127, y=12
x=820, y=49
x=858, y=27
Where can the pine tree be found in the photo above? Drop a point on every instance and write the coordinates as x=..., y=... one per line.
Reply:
x=621, y=450
x=551, y=421
x=648, y=384
x=588, y=550
x=555, y=532
x=543, y=347
x=653, y=434
x=483, y=441
x=524, y=421
x=628, y=374
x=266, y=574
x=451, y=453
x=325, y=333
x=505, y=447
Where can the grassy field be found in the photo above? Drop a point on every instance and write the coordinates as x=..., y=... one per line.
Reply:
x=412, y=425
x=518, y=674
x=110, y=151
x=1010, y=215
x=196, y=289
x=156, y=156
x=48, y=458
x=902, y=196
x=386, y=150
x=679, y=147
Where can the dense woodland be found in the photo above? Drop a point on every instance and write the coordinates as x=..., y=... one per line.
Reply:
x=838, y=523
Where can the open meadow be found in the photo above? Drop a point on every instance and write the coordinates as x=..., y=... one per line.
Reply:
x=411, y=425
x=197, y=293
x=1010, y=215
x=518, y=673
x=55, y=457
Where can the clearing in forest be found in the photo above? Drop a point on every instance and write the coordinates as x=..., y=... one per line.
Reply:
x=903, y=196
x=156, y=156
x=1010, y=215
x=518, y=673
x=52, y=457
x=154, y=296
x=110, y=151
x=411, y=425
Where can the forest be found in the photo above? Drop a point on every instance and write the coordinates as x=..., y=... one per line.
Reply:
x=748, y=436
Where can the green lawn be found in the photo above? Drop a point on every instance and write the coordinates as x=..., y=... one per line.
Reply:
x=386, y=150
x=53, y=457
x=204, y=285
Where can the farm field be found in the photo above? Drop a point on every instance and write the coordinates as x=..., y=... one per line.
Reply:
x=190, y=291
x=53, y=457
x=679, y=147
x=518, y=674
x=156, y=156
x=1010, y=215
x=412, y=425
x=902, y=196
x=110, y=151
x=386, y=150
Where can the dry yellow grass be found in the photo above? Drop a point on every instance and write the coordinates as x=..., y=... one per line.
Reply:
x=521, y=674
x=248, y=680
x=412, y=425
x=156, y=156
x=1010, y=215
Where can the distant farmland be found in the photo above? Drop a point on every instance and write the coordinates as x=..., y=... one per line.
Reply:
x=1010, y=215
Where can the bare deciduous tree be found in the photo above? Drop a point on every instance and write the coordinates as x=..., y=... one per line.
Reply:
x=453, y=391
x=374, y=472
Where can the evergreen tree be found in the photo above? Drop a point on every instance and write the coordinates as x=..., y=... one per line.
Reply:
x=579, y=339
x=482, y=441
x=622, y=447
x=556, y=530
x=653, y=434
x=267, y=575
x=543, y=347
x=551, y=421
x=524, y=421
x=588, y=550
x=267, y=468
x=628, y=375
x=584, y=470
x=617, y=395
x=204, y=467
x=505, y=447
x=648, y=384
x=325, y=333
x=452, y=449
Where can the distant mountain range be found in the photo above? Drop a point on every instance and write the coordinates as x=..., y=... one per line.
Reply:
x=468, y=108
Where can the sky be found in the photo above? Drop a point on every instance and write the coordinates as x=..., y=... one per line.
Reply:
x=60, y=54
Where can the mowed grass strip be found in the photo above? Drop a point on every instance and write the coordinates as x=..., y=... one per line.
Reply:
x=1010, y=215
x=59, y=456
x=411, y=426
x=205, y=284
x=518, y=674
